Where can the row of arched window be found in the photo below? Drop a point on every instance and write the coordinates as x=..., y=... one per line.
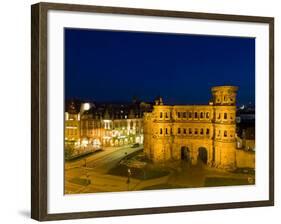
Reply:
x=185, y=131
x=165, y=114
x=225, y=99
x=224, y=133
x=195, y=115
x=189, y=114
x=225, y=116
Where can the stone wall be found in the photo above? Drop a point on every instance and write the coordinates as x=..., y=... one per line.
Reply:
x=245, y=159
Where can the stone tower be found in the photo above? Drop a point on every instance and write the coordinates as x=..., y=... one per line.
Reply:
x=162, y=131
x=224, y=104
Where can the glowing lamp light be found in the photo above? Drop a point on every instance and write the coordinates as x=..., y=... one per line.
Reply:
x=96, y=143
x=86, y=106
x=66, y=116
x=84, y=142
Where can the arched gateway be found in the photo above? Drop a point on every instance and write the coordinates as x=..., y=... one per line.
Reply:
x=185, y=154
x=202, y=155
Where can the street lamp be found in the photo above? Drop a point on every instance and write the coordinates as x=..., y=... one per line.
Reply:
x=129, y=180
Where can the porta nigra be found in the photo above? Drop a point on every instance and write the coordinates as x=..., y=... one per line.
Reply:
x=194, y=132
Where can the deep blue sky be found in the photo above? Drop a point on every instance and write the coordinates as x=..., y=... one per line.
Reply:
x=110, y=66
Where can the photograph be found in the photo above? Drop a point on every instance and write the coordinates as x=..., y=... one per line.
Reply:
x=153, y=111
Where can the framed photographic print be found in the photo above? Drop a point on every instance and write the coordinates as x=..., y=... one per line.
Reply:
x=139, y=111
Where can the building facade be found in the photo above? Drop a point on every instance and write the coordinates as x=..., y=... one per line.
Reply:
x=110, y=131
x=89, y=125
x=194, y=132
x=72, y=124
x=119, y=132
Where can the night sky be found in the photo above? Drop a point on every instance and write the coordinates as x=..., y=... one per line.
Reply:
x=113, y=66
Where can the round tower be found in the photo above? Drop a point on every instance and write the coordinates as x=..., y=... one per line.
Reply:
x=224, y=102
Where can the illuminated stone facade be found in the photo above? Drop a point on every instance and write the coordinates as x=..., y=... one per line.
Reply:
x=193, y=132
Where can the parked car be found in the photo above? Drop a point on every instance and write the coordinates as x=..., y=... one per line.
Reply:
x=135, y=145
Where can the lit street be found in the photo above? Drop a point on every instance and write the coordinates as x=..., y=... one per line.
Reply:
x=96, y=168
x=96, y=176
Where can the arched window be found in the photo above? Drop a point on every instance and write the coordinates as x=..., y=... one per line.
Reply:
x=184, y=114
x=171, y=131
x=190, y=131
x=166, y=115
x=190, y=114
x=184, y=131
x=196, y=131
x=195, y=115
x=179, y=114
x=201, y=131
x=179, y=130
x=207, y=131
x=161, y=114
x=225, y=134
x=201, y=115
x=219, y=116
x=166, y=131
x=225, y=116
x=161, y=131
x=207, y=115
